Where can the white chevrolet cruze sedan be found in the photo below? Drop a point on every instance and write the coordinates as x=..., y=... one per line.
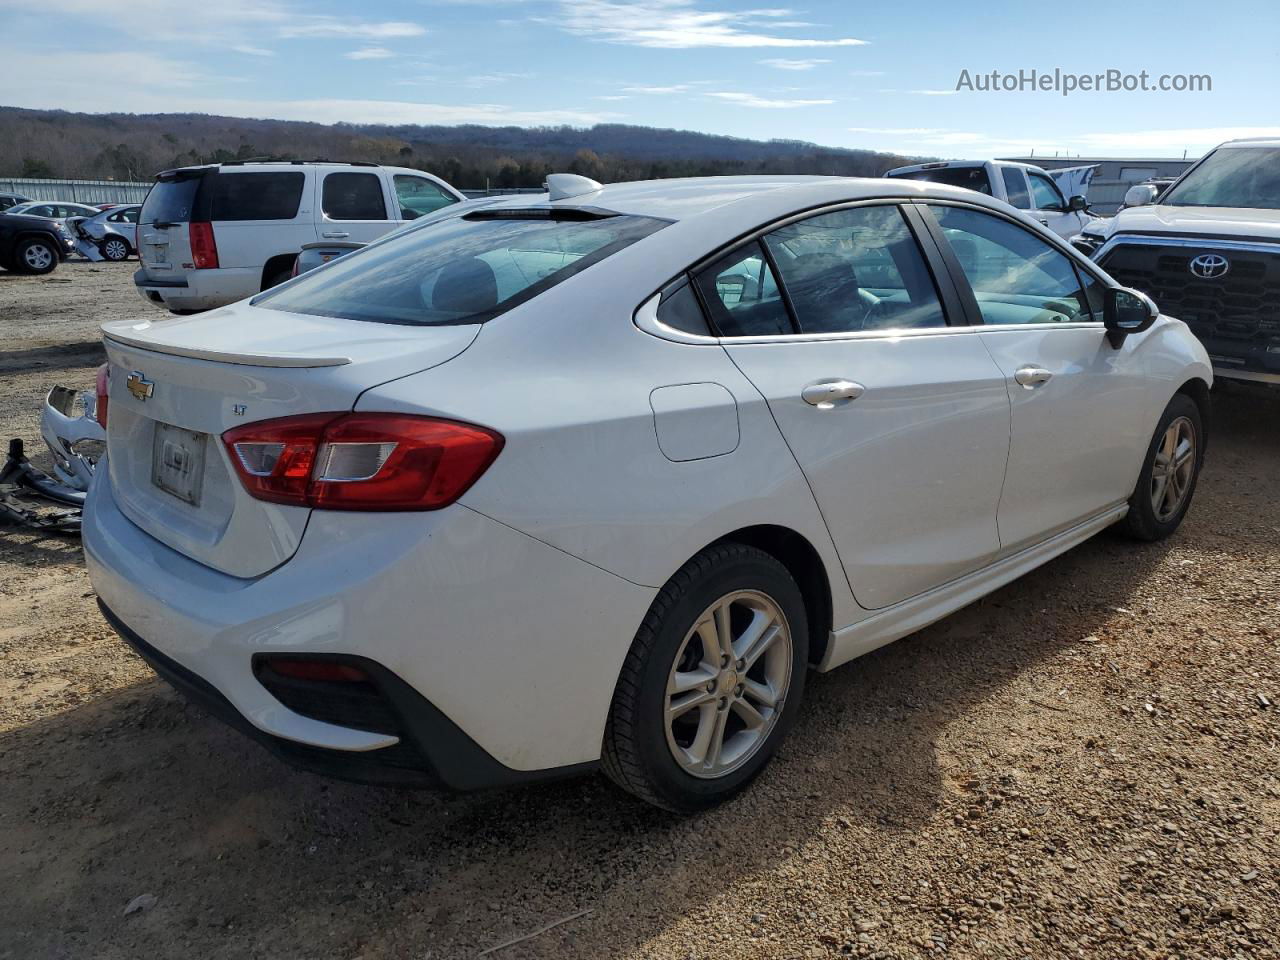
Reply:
x=594, y=477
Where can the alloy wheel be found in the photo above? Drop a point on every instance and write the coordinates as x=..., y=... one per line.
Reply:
x=37, y=256
x=727, y=686
x=115, y=250
x=1174, y=468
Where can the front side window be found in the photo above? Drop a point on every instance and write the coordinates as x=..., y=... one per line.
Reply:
x=855, y=269
x=1045, y=194
x=1231, y=177
x=742, y=295
x=1015, y=186
x=1016, y=276
x=418, y=196
x=459, y=270
x=353, y=196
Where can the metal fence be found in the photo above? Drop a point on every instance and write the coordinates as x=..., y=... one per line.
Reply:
x=124, y=191
x=78, y=191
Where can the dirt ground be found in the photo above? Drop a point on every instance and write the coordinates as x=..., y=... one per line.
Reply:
x=1084, y=764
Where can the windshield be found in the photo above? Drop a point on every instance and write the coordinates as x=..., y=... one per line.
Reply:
x=1232, y=177
x=463, y=270
x=971, y=178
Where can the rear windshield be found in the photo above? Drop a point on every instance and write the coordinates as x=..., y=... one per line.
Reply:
x=461, y=270
x=971, y=178
x=170, y=201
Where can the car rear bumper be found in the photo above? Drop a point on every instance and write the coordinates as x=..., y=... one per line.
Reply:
x=497, y=653
x=198, y=289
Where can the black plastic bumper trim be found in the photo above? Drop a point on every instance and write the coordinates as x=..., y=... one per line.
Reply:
x=451, y=759
x=140, y=280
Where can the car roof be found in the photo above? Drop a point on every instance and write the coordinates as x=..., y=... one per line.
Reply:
x=689, y=198
x=1254, y=142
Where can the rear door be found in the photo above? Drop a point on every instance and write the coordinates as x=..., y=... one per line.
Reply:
x=1077, y=403
x=352, y=205
x=899, y=420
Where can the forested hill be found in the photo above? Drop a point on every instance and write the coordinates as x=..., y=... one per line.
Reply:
x=126, y=146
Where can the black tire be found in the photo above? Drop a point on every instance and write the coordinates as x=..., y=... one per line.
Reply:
x=278, y=278
x=636, y=754
x=1142, y=521
x=27, y=256
x=118, y=245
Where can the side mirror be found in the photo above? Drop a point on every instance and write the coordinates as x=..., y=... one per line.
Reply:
x=1077, y=204
x=1127, y=311
x=1140, y=195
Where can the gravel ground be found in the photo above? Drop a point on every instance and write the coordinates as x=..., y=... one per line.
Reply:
x=1083, y=764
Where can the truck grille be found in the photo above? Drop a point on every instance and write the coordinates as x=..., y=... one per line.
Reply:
x=1236, y=316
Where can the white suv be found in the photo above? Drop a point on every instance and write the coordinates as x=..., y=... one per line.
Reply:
x=211, y=235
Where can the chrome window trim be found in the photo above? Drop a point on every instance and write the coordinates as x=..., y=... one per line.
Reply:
x=1147, y=240
x=646, y=319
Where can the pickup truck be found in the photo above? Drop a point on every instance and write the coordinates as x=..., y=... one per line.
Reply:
x=1207, y=250
x=1024, y=186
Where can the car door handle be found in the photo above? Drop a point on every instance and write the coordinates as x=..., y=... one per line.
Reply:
x=1031, y=377
x=337, y=235
x=1043, y=220
x=825, y=394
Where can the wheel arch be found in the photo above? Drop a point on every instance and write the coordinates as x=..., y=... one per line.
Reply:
x=281, y=261
x=802, y=560
x=1198, y=390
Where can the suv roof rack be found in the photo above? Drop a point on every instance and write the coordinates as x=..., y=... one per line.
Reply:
x=345, y=163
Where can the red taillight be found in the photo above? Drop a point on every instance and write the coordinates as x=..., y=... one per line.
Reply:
x=100, y=394
x=361, y=461
x=204, y=249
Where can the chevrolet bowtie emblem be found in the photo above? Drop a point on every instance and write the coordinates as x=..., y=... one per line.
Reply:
x=140, y=386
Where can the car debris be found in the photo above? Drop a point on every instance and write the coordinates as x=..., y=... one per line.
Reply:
x=21, y=481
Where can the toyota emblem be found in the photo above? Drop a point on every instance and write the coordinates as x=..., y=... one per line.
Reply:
x=1209, y=266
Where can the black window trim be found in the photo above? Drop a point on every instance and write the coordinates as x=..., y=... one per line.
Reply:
x=1081, y=264
x=949, y=299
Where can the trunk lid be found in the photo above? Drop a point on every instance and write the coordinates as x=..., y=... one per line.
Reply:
x=178, y=384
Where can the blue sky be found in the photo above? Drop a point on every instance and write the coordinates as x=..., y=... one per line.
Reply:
x=877, y=75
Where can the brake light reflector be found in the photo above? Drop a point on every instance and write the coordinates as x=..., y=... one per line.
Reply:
x=204, y=249
x=361, y=461
x=100, y=385
x=329, y=671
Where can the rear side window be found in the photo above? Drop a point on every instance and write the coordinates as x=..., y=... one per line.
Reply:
x=251, y=196
x=460, y=270
x=1015, y=185
x=854, y=270
x=353, y=196
x=742, y=295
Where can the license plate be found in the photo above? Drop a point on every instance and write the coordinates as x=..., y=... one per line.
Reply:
x=159, y=253
x=177, y=462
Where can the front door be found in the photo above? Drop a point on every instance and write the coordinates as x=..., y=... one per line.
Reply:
x=1077, y=430
x=1050, y=207
x=899, y=421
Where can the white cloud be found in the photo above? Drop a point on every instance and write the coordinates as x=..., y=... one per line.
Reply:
x=751, y=100
x=244, y=26
x=369, y=53
x=661, y=91
x=316, y=26
x=681, y=24
x=781, y=63
x=612, y=98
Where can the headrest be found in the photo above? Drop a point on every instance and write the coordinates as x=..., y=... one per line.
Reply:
x=466, y=286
